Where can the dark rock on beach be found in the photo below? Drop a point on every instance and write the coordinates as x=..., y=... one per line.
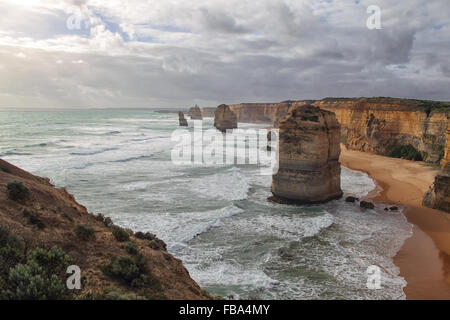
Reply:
x=367, y=205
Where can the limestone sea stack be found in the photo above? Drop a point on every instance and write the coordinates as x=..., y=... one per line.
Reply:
x=225, y=118
x=309, y=149
x=438, y=196
x=195, y=113
x=182, y=119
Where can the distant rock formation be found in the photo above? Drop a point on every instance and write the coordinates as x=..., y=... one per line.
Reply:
x=374, y=125
x=182, y=119
x=195, y=113
x=225, y=118
x=208, y=112
x=438, y=196
x=309, y=150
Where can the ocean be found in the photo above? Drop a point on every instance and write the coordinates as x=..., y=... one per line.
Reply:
x=215, y=218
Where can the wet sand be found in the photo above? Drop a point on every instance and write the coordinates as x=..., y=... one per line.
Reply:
x=424, y=259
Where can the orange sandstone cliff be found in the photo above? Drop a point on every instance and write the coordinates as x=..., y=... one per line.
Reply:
x=373, y=125
x=438, y=196
x=309, y=150
x=377, y=125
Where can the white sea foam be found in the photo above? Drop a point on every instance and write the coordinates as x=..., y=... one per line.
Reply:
x=218, y=219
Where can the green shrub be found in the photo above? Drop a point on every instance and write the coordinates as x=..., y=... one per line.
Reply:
x=105, y=220
x=112, y=293
x=85, y=233
x=6, y=170
x=7, y=238
x=407, y=152
x=41, y=278
x=31, y=283
x=120, y=234
x=145, y=236
x=17, y=190
x=54, y=260
x=131, y=272
x=11, y=252
x=33, y=219
x=131, y=248
x=154, y=242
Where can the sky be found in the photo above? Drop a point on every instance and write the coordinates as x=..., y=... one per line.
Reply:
x=177, y=53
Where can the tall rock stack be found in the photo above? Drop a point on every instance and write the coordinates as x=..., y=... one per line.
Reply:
x=438, y=196
x=225, y=118
x=309, y=150
x=195, y=113
x=182, y=119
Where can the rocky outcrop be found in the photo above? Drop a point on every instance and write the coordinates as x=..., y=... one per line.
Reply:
x=438, y=196
x=271, y=113
x=309, y=150
x=49, y=217
x=224, y=118
x=182, y=119
x=377, y=125
x=367, y=205
x=373, y=125
x=208, y=112
x=195, y=113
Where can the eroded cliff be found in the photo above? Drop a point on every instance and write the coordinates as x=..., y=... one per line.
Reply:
x=438, y=196
x=309, y=150
x=195, y=113
x=375, y=125
x=224, y=118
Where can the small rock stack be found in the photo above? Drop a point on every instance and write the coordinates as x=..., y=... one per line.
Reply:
x=195, y=113
x=224, y=118
x=182, y=119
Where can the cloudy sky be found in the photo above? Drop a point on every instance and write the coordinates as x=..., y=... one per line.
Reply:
x=172, y=53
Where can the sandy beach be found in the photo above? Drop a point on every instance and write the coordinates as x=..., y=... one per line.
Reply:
x=424, y=259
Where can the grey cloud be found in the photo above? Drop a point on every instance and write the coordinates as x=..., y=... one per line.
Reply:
x=237, y=51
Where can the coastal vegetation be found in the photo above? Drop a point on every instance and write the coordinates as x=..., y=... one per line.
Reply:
x=120, y=234
x=25, y=274
x=33, y=219
x=407, y=152
x=43, y=231
x=17, y=190
x=433, y=106
x=84, y=233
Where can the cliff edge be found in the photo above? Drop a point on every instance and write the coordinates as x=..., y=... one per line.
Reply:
x=438, y=196
x=43, y=230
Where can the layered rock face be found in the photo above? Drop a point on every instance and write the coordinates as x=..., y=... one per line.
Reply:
x=225, y=118
x=265, y=112
x=309, y=150
x=438, y=196
x=376, y=125
x=373, y=125
x=208, y=112
x=182, y=120
x=195, y=113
